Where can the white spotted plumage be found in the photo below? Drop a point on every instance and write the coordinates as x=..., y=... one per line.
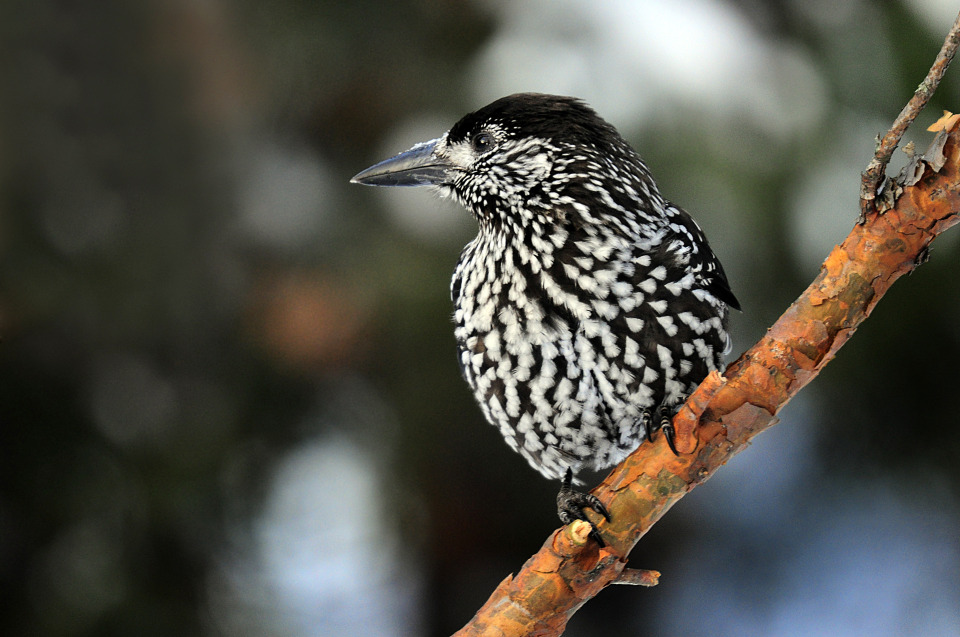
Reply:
x=588, y=306
x=571, y=296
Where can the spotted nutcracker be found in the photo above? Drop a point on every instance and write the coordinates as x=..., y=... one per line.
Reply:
x=588, y=307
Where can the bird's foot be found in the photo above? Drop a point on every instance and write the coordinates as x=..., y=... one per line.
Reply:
x=664, y=423
x=571, y=505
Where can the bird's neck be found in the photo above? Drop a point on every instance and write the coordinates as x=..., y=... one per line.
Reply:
x=534, y=229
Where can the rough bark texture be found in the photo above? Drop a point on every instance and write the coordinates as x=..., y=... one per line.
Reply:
x=728, y=410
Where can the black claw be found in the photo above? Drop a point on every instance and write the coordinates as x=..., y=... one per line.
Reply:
x=669, y=432
x=664, y=424
x=646, y=420
x=571, y=505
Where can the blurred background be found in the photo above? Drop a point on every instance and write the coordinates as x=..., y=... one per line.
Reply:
x=229, y=403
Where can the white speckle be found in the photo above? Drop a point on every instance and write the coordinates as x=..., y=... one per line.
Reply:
x=606, y=278
x=492, y=343
x=621, y=288
x=513, y=400
x=666, y=358
x=631, y=354
x=525, y=424
x=658, y=306
x=526, y=361
x=588, y=283
x=531, y=442
x=606, y=310
x=668, y=326
x=704, y=351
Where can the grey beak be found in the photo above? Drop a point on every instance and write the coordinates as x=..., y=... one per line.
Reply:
x=415, y=167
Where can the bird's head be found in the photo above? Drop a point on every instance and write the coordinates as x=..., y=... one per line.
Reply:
x=527, y=152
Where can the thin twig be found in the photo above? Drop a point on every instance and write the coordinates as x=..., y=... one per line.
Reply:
x=871, y=177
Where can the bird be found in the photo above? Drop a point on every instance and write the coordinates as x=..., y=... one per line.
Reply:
x=588, y=307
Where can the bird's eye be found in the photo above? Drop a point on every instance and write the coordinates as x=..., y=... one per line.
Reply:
x=482, y=142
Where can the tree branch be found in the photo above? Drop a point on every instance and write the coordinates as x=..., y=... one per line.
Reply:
x=728, y=410
x=871, y=177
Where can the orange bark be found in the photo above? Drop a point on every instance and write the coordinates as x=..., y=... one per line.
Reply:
x=728, y=410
